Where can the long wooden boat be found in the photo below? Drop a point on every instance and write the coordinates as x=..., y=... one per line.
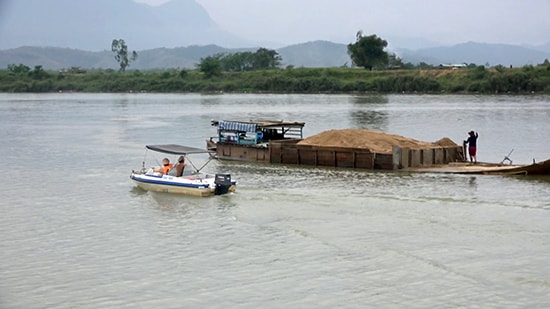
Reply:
x=538, y=168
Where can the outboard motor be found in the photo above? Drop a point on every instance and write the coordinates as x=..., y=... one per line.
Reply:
x=223, y=183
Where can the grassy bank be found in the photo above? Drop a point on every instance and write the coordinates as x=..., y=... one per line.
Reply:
x=481, y=80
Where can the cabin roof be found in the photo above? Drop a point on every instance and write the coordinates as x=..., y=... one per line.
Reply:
x=245, y=125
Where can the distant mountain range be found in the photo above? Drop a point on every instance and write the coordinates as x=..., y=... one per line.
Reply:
x=310, y=54
x=478, y=53
x=179, y=33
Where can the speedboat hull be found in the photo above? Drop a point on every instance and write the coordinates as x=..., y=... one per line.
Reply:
x=195, y=185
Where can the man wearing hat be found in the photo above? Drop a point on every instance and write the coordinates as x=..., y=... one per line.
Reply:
x=472, y=145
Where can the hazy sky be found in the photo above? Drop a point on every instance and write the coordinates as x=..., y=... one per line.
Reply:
x=441, y=21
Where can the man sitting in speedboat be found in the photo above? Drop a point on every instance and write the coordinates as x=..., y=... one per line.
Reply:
x=165, y=168
x=180, y=166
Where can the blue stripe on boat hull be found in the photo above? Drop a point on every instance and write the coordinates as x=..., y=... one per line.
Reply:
x=171, y=183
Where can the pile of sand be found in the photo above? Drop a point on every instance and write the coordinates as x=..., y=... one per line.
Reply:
x=445, y=142
x=375, y=141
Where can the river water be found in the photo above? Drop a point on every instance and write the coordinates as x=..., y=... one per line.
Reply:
x=76, y=233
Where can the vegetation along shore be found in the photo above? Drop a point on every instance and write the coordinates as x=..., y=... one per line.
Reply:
x=529, y=79
x=373, y=71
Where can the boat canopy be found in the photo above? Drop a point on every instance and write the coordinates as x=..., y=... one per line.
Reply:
x=176, y=149
x=255, y=125
x=237, y=126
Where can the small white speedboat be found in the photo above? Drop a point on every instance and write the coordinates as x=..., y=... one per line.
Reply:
x=197, y=183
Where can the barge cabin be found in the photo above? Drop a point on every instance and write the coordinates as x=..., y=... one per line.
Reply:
x=250, y=140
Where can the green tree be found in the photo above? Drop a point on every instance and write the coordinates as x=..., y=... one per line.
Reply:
x=394, y=62
x=38, y=72
x=238, y=62
x=183, y=73
x=266, y=59
x=18, y=69
x=262, y=59
x=120, y=49
x=368, y=51
x=211, y=66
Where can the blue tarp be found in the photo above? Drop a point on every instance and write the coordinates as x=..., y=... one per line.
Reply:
x=236, y=126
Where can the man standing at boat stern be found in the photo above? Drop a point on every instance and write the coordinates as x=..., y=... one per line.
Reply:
x=472, y=145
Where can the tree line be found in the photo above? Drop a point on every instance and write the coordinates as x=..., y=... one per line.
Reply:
x=528, y=79
x=262, y=59
x=261, y=71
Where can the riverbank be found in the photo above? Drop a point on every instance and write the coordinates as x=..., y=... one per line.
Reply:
x=477, y=80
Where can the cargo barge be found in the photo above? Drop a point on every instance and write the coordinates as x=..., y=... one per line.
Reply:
x=282, y=142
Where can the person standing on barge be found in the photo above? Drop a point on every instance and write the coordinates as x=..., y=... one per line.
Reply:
x=472, y=145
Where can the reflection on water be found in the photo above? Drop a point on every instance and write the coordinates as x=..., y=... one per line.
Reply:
x=370, y=99
x=137, y=191
x=211, y=100
x=473, y=182
x=370, y=120
x=365, y=112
